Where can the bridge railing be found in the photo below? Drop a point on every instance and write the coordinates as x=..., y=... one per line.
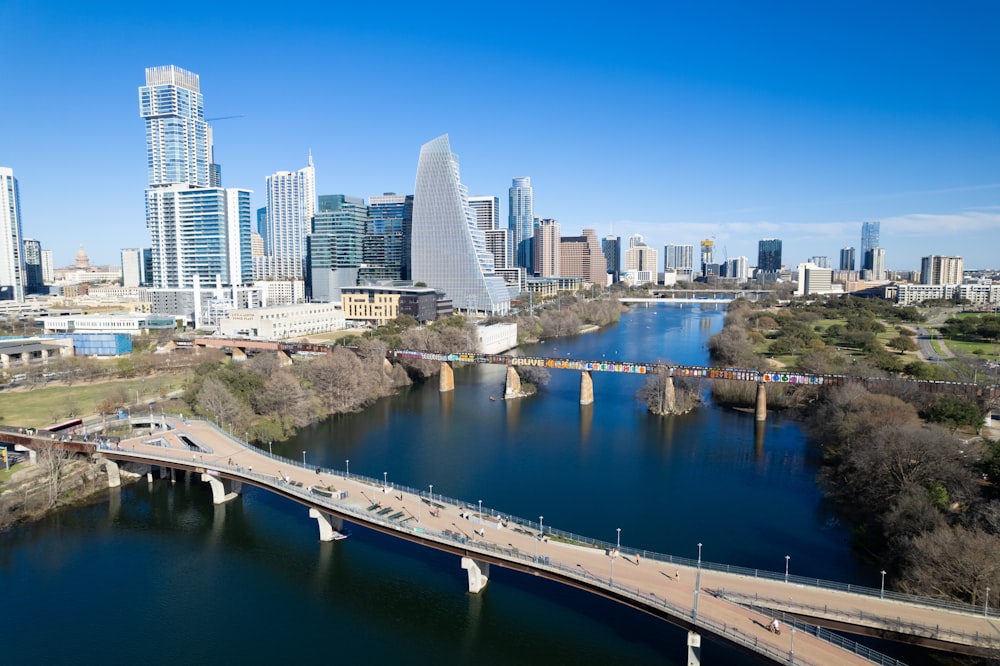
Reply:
x=869, y=618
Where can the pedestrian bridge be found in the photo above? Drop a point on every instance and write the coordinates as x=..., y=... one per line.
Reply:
x=730, y=604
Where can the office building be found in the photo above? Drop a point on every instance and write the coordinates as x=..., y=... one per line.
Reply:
x=737, y=269
x=582, y=256
x=612, y=248
x=336, y=246
x=769, y=256
x=877, y=270
x=291, y=204
x=942, y=270
x=821, y=262
x=448, y=250
x=498, y=243
x=869, y=241
x=680, y=260
x=48, y=269
x=33, y=282
x=847, y=259
x=11, y=250
x=521, y=221
x=813, y=279
x=640, y=257
x=385, y=249
x=487, y=210
x=197, y=227
x=547, y=237
x=262, y=226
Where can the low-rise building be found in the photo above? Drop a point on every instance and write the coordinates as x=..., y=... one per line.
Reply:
x=283, y=321
x=378, y=305
x=496, y=338
x=133, y=323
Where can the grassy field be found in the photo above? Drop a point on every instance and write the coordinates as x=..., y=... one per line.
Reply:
x=42, y=406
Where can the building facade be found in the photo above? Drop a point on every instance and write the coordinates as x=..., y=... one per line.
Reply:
x=847, y=259
x=448, y=249
x=521, y=221
x=769, y=255
x=385, y=248
x=942, y=270
x=869, y=241
x=12, y=280
x=291, y=204
x=132, y=267
x=336, y=246
x=547, y=256
x=380, y=305
x=612, y=248
x=487, y=210
x=582, y=256
x=680, y=260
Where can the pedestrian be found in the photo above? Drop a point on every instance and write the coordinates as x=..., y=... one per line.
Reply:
x=677, y=576
x=637, y=559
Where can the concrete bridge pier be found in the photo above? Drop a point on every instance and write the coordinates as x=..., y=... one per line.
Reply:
x=173, y=475
x=165, y=472
x=114, y=473
x=329, y=526
x=694, y=649
x=447, y=378
x=760, y=410
x=586, y=388
x=479, y=574
x=512, y=387
x=219, y=494
x=669, y=395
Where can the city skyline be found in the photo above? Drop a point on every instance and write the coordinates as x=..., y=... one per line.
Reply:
x=735, y=125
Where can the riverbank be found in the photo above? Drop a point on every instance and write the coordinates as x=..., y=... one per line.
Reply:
x=31, y=491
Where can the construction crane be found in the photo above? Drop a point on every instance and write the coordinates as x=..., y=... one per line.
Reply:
x=209, y=120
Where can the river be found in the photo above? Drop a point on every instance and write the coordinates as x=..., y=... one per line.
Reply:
x=156, y=574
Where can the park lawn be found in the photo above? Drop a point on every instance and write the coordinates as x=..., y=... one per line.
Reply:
x=985, y=349
x=42, y=406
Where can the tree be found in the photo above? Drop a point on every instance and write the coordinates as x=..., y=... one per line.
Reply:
x=902, y=344
x=952, y=562
x=954, y=412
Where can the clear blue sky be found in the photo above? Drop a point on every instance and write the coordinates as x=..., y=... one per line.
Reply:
x=680, y=121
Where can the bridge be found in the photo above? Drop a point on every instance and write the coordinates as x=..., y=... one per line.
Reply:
x=239, y=347
x=730, y=604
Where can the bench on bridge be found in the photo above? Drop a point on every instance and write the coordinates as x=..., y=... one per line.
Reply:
x=385, y=511
x=397, y=515
x=374, y=506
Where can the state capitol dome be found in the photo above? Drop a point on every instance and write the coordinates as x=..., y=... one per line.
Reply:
x=82, y=261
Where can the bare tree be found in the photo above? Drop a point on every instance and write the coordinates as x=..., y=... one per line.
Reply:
x=953, y=563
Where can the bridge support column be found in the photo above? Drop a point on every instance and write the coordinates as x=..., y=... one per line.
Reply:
x=284, y=360
x=219, y=494
x=173, y=475
x=149, y=476
x=479, y=574
x=586, y=388
x=329, y=527
x=239, y=354
x=669, y=395
x=760, y=411
x=164, y=472
x=694, y=649
x=114, y=474
x=512, y=387
x=447, y=379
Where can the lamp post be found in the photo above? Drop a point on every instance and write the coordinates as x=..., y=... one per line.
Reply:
x=432, y=491
x=269, y=451
x=303, y=458
x=791, y=651
x=618, y=545
x=347, y=474
x=697, y=583
x=614, y=556
x=787, y=557
x=881, y=592
x=385, y=479
x=480, y=512
x=541, y=527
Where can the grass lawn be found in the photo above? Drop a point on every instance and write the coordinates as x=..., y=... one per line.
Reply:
x=987, y=349
x=42, y=406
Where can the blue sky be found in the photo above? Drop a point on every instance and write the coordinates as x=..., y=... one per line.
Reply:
x=679, y=121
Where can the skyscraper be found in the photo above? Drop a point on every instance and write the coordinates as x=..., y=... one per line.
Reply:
x=291, y=204
x=448, y=249
x=582, y=256
x=336, y=246
x=487, y=210
x=847, y=259
x=386, y=245
x=521, y=220
x=197, y=227
x=708, y=265
x=547, y=256
x=11, y=251
x=132, y=268
x=679, y=258
x=33, y=282
x=869, y=241
x=769, y=255
x=942, y=270
x=612, y=248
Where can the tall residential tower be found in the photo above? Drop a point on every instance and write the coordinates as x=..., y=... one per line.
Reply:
x=11, y=254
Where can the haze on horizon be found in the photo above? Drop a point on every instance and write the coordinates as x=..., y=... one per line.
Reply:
x=676, y=122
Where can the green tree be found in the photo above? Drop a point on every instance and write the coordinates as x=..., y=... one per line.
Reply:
x=954, y=412
x=902, y=344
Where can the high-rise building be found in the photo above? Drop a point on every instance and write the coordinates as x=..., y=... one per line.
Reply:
x=521, y=220
x=262, y=226
x=498, y=243
x=847, y=259
x=336, y=246
x=132, y=267
x=487, y=210
x=197, y=227
x=33, y=282
x=877, y=270
x=448, y=249
x=708, y=257
x=869, y=241
x=547, y=257
x=11, y=250
x=641, y=257
x=291, y=204
x=820, y=262
x=582, y=256
x=769, y=255
x=679, y=258
x=386, y=245
x=612, y=248
x=48, y=268
x=737, y=269
x=942, y=270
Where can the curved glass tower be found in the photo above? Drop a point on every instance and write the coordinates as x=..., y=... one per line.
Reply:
x=448, y=250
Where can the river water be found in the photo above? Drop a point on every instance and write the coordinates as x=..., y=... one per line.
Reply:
x=156, y=574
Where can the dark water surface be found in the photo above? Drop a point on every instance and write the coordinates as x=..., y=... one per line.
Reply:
x=158, y=575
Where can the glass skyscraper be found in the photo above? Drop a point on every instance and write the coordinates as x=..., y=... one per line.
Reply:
x=197, y=227
x=521, y=221
x=869, y=241
x=679, y=258
x=11, y=251
x=386, y=246
x=335, y=246
x=847, y=259
x=612, y=247
x=769, y=255
x=448, y=250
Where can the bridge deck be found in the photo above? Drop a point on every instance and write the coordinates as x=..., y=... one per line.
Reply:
x=663, y=589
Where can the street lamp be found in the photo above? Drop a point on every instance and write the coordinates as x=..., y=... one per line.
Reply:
x=881, y=594
x=432, y=491
x=619, y=543
x=269, y=451
x=541, y=527
x=480, y=512
x=347, y=474
x=385, y=479
x=303, y=458
x=787, y=557
x=697, y=583
x=791, y=652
